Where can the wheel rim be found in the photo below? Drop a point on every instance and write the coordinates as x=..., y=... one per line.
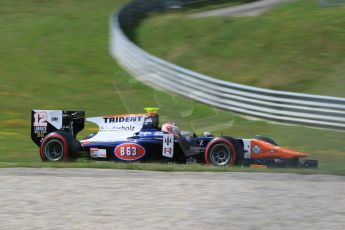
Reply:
x=53, y=150
x=220, y=154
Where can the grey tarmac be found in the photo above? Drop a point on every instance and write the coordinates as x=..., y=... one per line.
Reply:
x=51, y=198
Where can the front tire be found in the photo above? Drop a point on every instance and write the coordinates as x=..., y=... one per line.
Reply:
x=222, y=151
x=58, y=146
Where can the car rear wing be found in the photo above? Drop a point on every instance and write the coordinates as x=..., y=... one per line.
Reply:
x=44, y=122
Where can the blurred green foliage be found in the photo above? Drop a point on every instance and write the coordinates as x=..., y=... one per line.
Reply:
x=294, y=47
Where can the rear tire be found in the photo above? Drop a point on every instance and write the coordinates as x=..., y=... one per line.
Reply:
x=59, y=146
x=222, y=151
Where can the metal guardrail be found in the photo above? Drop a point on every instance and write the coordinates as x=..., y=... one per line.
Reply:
x=281, y=106
x=332, y=2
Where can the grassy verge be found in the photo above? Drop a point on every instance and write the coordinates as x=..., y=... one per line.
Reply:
x=294, y=47
x=55, y=56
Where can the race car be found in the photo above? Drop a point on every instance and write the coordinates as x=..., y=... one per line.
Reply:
x=139, y=138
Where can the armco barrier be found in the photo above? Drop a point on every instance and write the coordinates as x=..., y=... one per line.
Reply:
x=295, y=108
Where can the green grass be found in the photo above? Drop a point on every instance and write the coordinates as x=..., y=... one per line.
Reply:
x=294, y=47
x=54, y=55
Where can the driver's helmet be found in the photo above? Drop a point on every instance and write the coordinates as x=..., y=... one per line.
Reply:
x=151, y=121
x=171, y=127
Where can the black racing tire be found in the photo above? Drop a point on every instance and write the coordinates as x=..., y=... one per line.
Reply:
x=222, y=151
x=59, y=146
x=266, y=139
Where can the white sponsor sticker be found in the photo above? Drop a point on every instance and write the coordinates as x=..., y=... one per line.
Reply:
x=43, y=117
x=98, y=153
x=115, y=128
x=168, y=145
x=256, y=149
x=246, y=148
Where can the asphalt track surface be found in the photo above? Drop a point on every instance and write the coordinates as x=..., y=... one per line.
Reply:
x=121, y=199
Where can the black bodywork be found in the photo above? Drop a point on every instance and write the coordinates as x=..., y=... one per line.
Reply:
x=72, y=122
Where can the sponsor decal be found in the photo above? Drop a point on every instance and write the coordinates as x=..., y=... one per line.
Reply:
x=168, y=145
x=151, y=133
x=256, y=149
x=148, y=120
x=41, y=118
x=147, y=133
x=122, y=119
x=129, y=152
x=122, y=128
x=98, y=153
x=246, y=148
x=269, y=151
x=55, y=119
x=40, y=131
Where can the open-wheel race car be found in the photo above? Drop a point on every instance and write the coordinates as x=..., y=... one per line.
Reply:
x=138, y=137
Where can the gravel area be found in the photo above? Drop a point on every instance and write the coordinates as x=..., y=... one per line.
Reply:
x=121, y=199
